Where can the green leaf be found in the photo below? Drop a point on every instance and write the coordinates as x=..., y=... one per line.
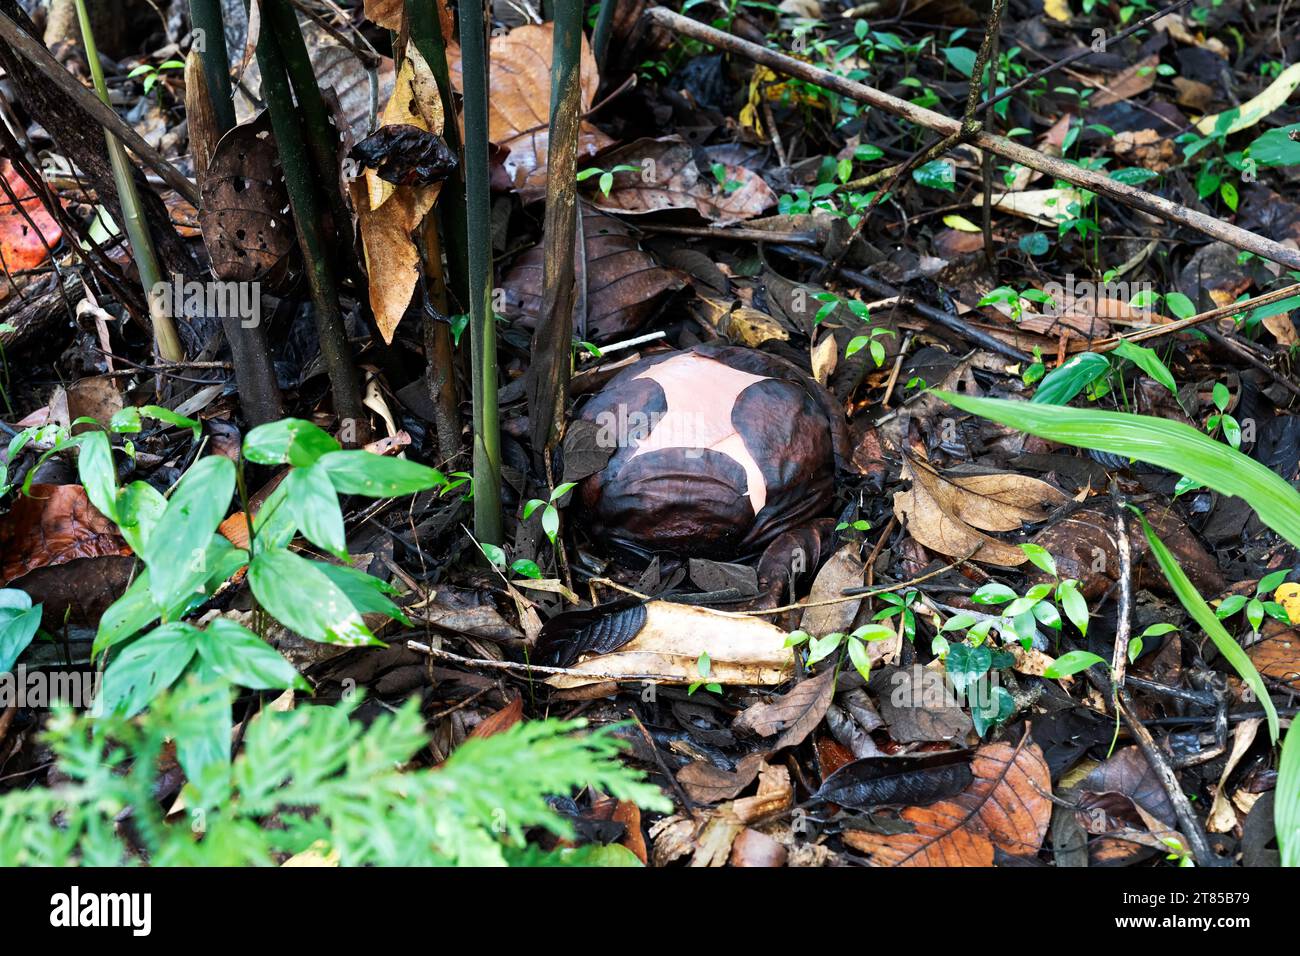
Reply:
x=128, y=615
x=551, y=522
x=363, y=473
x=993, y=593
x=936, y=174
x=526, y=569
x=1073, y=604
x=290, y=441
x=961, y=58
x=966, y=664
x=139, y=507
x=1271, y=582
x=314, y=507
x=1277, y=148
x=19, y=621
x=532, y=505
x=178, y=544
x=368, y=594
x=1200, y=611
x=1147, y=360
x=140, y=672
x=1070, y=378
x=860, y=658
x=1072, y=663
x=302, y=597
x=1040, y=557
x=820, y=648
x=1158, y=441
x=1180, y=305
x=1286, y=799
x=171, y=418
x=97, y=472
x=243, y=658
x=1230, y=606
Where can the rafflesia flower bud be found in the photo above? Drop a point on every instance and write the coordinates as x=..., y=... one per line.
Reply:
x=716, y=451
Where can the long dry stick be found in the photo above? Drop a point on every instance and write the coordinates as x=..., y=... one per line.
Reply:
x=998, y=145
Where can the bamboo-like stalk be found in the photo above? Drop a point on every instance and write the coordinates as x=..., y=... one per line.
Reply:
x=478, y=241
x=426, y=33
x=425, y=29
x=205, y=16
x=548, y=374
x=166, y=341
x=321, y=135
x=300, y=182
x=604, y=27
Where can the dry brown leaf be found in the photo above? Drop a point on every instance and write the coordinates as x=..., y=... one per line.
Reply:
x=794, y=714
x=519, y=103
x=386, y=13
x=501, y=720
x=1277, y=654
x=668, y=177
x=775, y=794
x=52, y=525
x=742, y=324
x=706, y=783
x=929, y=511
x=1223, y=818
x=1000, y=502
x=624, y=284
x=1007, y=806
x=825, y=356
x=842, y=570
x=1138, y=78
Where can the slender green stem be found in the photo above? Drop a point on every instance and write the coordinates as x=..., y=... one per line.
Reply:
x=166, y=341
x=210, y=42
x=482, y=328
x=306, y=216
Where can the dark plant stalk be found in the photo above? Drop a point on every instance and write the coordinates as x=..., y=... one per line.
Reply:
x=322, y=137
x=604, y=27
x=306, y=217
x=166, y=341
x=205, y=16
x=548, y=375
x=426, y=34
x=478, y=241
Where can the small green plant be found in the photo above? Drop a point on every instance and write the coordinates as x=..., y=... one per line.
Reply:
x=900, y=605
x=820, y=648
x=704, y=668
x=724, y=181
x=606, y=181
x=550, y=513
x=152, y=74
x=1258, y=605
x=312, y=778
x=1013, y=299
x=871, y=342
x=1221, y=420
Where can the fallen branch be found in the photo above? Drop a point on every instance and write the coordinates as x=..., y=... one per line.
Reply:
x=102, y=114
x=998, y=145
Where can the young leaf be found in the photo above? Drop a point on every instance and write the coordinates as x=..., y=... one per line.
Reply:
x=363, y=473
x=178, y=543
x=289, y=441
x=1070, y=378
x=314, y=507
x=1072, y=663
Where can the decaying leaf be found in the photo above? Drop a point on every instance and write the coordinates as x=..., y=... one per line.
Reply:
x=1254, y=110
x=742, y=324
x=248, y=234
x=794, y=714
x=942, y=513
x=843, y=570
x=624, y=284
x=20, y=244
x=668, y=176
x=1223, y=818
x=519, y=103
x=742, y=650
x=1007, y=806
x=1277, y=653
x=54, y=524
x=1048, y=207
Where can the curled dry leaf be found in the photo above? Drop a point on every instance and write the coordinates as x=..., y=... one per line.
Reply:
x=247, y=235
x=624, y=284
x=843, y=570
x=942, y=513
x=794, y=714
x=1007, y=806
x=387, y=214
x=519, y=104
x=669, y=177
x=741, y=324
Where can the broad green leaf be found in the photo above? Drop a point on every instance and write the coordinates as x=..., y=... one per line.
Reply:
x=1147, y=360
x=128, y=615
x=1277, y=148
x=178, y=544
x=1230, y=606
x=993, y=593
x=302, y=597
x=314, y=508
x=1271, y=582
x=1072, y=663
x=551, y=522
x=1180, y=305
x=820, y=648
x=19, y=621
x=203, y=746
x=1073, y=604
x=1158, y=441
x=525, y=568
x=1040, y=557
x=139, y=507
x=363, y=473
x=290, y=441
x=243, y=658
x=1286, y=799
x=97, y=472
x=1200, y=611
x=966, y=664
x=860, y=658
x=171, y=418
x=1070, y=378
x=961, y=58
x=367, y=593
x=137, y=674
